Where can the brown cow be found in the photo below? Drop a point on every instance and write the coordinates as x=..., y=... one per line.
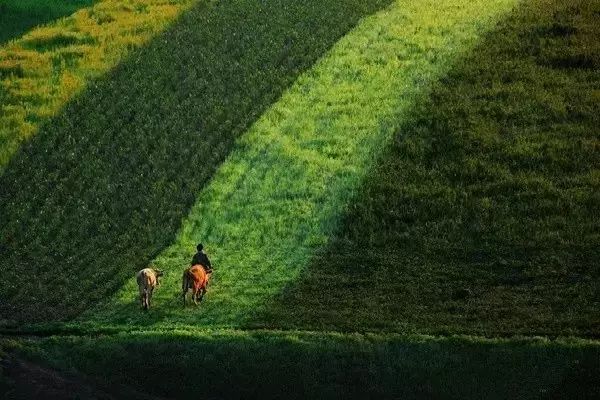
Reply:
x=195, y=278
x=147, y=280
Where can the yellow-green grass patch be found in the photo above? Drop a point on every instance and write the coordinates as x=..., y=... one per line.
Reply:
x=18, y=16
x=41, y=71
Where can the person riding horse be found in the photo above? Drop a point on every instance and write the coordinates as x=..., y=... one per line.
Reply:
x=200, y=258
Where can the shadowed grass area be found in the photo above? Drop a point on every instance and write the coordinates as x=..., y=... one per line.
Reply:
x=222, y=364
x=483, y=215
x=41, y=71
x=104, y=186
x=18, y=16
x=283, y=190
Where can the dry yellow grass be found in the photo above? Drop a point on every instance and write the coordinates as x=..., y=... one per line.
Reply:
x=42, y=70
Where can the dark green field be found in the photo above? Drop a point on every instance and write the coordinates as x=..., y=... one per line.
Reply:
x=400, y=199
x=482, y=217
x=234, y=364
x=18, y=16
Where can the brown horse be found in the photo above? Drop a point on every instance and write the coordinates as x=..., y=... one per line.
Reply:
x=195, y=278
x=147, y=280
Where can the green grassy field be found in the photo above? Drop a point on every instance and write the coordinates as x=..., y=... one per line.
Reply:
x=120, y=167
x=362, y=175
x=454, y=230
x=234, y=364
x=18, y=16
x=481, y=217
x=281, y=194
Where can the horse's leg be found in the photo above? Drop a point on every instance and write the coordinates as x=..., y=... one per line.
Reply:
x=151, y=291
x=195, y=295
x=185, y=291
x=205, y=287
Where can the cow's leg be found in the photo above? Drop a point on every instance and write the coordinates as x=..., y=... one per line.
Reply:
x=142, y=297
x=150, y=292
x=145, y=299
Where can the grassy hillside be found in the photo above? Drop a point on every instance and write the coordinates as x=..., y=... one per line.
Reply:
x=120, y=167
x=482, y=217
x=435, y=171
x=280, y=195
x=41, y=71
x=18, y=16
x=233, y=364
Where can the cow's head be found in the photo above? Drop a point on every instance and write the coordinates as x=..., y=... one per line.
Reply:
x=158, y=273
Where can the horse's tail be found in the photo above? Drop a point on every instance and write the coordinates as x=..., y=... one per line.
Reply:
x=185, y=280
x=206, y=278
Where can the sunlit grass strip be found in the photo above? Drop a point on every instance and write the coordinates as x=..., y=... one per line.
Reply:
x=45, y=68
x=279, y=196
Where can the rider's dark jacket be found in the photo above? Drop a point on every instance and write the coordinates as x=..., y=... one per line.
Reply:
x=202, y=259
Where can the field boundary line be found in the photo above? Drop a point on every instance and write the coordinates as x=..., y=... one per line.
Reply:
x=375, y=335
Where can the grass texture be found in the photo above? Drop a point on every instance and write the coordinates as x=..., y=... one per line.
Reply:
x=41, y=71
x=482, y=217
x=280, y=195
x=233, y=364
x=436, y=171
x=120, y=167
x=18, y=16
